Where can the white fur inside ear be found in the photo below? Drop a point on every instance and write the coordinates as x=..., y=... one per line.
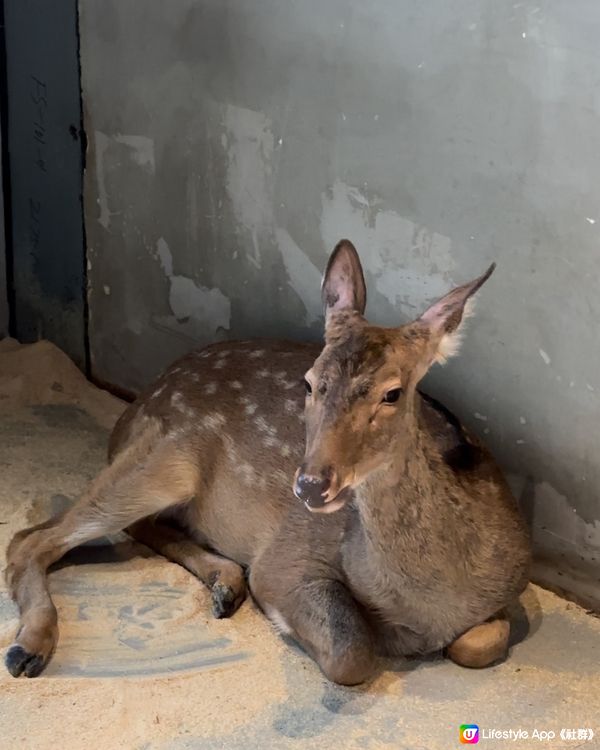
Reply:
x=450, y=343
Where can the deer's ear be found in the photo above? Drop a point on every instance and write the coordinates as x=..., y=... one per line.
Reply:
x=343, y=286
x=443, y=319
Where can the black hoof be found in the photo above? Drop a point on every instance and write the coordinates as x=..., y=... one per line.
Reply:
x=224, y=600
x=18, y=661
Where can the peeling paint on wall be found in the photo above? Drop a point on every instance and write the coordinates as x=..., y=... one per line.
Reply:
x=141, y=153
x=101, y=146
x=198, y=311
x=407, y=263
x=142, y=149
x=555, y=517
x=304, y=277
x=249, y=143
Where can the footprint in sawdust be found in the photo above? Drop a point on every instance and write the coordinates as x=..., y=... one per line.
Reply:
x=110, y=629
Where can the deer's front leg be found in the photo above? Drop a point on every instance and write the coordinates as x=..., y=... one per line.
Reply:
x=324, y=619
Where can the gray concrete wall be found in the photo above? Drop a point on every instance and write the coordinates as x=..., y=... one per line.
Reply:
x=232, y=144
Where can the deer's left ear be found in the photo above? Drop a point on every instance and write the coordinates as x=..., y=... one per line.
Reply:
x=343, y=286
x=443, y=319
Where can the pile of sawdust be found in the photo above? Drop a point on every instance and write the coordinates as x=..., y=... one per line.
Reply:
x=41, y=373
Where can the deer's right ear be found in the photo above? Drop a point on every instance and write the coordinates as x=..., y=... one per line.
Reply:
x=443, y=319
x=343, y=286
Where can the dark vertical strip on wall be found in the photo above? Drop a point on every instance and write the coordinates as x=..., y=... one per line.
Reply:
x=5, y=176
x=45, y=158
x=83, y=152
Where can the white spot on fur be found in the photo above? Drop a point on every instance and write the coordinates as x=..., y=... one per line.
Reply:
x=219, y=364
x=281, y=379
x=177, y=400
x=269, y=432
x=249, y=406
x=285, y=450
x=213, y=421
x=262, y=425
x=283, y=478
x=247, y=473
x=178, y=403
x=257, y=353
x=158, y=391
x=209, y=389
x=236, y=385
x=290, y=406
x=278, y=620
x=262, y=374
x=232, y=454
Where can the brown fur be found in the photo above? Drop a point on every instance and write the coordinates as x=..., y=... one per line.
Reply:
x=426, y=544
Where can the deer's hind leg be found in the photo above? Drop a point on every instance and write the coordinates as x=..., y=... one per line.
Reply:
x=147, y=477
x=225, y=578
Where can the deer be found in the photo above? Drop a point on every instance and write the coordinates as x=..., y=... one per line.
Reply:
x=363, y=517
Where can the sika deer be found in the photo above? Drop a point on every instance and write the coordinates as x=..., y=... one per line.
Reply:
x=413, y=542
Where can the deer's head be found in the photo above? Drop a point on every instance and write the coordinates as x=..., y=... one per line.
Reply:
x=360, y=391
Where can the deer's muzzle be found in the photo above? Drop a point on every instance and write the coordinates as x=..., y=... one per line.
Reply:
x=320, y=492
x=312, y=490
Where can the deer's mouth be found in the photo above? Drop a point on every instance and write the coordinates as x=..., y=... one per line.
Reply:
x=330, y=505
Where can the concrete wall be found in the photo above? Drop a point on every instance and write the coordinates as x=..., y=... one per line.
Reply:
x=232, y=144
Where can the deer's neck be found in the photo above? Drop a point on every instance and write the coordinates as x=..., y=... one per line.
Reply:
x=395, y=502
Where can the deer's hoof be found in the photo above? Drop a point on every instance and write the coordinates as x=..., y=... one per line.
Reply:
x=225, y=600
x=18, y=662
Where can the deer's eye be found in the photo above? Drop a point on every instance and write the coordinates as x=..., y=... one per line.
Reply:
x=307, y=387
x=392, y=396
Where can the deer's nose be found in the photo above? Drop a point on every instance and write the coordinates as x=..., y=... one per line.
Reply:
x=312, y=489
